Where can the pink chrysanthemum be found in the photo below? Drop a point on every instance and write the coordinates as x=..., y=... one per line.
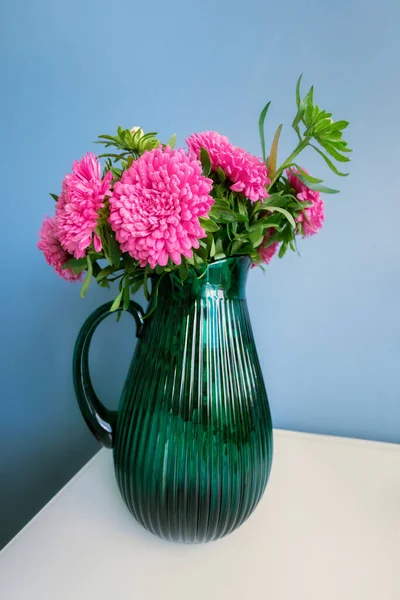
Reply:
x=156, y=206
x=247, y=172
x=78, y=206
x=313, y=218
x=53, y=252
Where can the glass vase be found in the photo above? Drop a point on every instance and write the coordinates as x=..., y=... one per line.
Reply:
x=192, y=438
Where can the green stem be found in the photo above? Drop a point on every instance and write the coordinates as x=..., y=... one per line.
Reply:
x=300, y=146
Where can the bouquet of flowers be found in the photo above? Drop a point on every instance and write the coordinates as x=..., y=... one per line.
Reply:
x=154, y=209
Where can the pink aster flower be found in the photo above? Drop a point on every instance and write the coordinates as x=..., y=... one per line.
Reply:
x=313, y=218
x=53, y=252
x=78, y=206
x=248, y=174
x=265, y=251
x=156, y=206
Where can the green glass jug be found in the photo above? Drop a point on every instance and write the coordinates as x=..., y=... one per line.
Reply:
x=192, y=438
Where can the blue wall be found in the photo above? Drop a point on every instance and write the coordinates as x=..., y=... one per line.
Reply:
x=327, y=324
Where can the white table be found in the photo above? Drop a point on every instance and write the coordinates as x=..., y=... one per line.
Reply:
x=328, y=528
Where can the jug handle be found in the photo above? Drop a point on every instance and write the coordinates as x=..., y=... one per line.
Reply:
x=99, y=419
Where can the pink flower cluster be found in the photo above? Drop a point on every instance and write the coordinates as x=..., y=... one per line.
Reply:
x=248, y=174
x=156, y=206
x=77, y=210
x=313, y=217
x=53, y=252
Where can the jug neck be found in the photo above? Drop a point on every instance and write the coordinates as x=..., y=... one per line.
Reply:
x=225, y=279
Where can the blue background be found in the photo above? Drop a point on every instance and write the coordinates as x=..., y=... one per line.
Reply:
x=327, y=324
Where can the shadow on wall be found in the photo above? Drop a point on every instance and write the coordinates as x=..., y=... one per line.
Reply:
x=46, y=440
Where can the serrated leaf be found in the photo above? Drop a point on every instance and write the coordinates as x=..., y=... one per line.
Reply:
x=208, y=225
x=172, y=141
x=205, y=162
x=329, y=162
x=108, y=137
x=333, y=152
x=88, y=278
x=261, y=122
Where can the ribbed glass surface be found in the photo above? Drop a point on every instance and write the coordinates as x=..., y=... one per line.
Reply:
x=193, y=437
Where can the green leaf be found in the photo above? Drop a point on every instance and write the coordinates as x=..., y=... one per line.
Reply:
x=116, y=304
x=298, y=97
x=183, y=271
x=113, y=248
x=105, y=273
x=329, y=162
x=127, y=296
x=88, y=277
x=256, y=241
x=273, y=155
x=104, y=136
x=272, y=198
x=145, y=288
x=317, y=187
x=339, y=125
x=306, y=176
x=222, y=215
x=220, y=256
x=333, y=152
x=261, y=122
x=283, y=250
x=75, y=262
x=212, y=249
x=285, y=213
x=245, y=249
x=221, y=174
x=208, y=224
x=241, y=218
x=172, y=141
x=54, y=196
x=78, y=270
x=242, y=208
x=205, y=161
x=136, y=286
x=298, y=118
x=308, y=104
x=236, y=245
